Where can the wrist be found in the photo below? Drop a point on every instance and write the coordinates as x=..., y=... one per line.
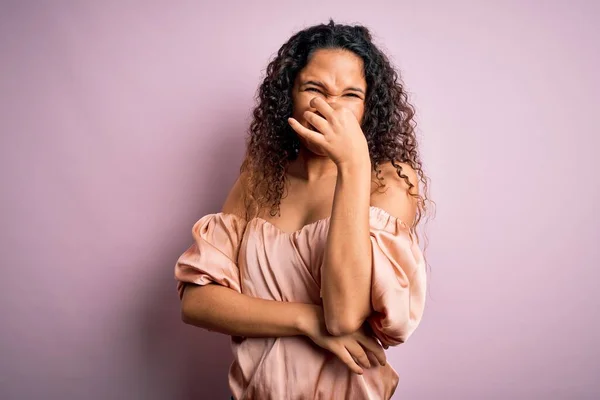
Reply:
x=355, y=166
x=310, y=317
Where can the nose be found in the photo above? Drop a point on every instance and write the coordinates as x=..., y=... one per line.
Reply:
x=332, y=99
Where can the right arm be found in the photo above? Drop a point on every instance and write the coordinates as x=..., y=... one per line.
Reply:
x=218, y=308
x=221, y=309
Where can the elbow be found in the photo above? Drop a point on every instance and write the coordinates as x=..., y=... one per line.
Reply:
x=191, y=314
x=344, y=319
x=193, y=317
x=185, y=308
x=186, y=315
x=343, y=326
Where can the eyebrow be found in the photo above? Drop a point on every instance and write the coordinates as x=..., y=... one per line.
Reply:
x=322, y=85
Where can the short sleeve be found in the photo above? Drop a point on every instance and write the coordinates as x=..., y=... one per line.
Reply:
x=398, y=283
x=212, y=257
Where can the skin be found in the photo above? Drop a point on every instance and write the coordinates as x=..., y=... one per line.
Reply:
x=331, y=177
x=330, y=128
x=223, y=310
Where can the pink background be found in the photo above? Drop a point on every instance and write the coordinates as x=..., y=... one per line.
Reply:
x=122, y=123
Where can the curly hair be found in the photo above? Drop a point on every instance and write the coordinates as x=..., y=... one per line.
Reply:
x=388, y=122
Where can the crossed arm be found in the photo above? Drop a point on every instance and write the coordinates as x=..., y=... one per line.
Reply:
x=346, y=274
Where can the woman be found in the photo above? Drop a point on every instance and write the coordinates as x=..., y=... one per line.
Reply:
x=313, y=266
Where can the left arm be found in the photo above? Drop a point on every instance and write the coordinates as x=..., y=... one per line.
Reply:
x=347, y=267
x=346, y=271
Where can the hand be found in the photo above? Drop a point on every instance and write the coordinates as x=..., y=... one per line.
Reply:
x=350, y=349
x=339, y=132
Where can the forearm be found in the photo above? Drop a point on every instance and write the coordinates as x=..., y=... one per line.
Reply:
x=346, y=272
x=223, y=310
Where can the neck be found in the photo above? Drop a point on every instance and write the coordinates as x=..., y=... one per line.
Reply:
x=311, y=167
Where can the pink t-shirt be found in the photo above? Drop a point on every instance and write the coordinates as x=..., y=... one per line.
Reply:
x=258, y=259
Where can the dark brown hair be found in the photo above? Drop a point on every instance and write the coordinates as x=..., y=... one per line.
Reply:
x=387, y=123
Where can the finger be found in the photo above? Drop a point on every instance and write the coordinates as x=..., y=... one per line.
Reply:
x=323, y=107
x=357, y=351
x=347, y=359
x=372, y=358
x=372, y=335
x=318, y=122
x=385, y=346
x=374, y=347
x=306, y=133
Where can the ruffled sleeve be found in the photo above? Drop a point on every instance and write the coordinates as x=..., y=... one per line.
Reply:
x=212, y=257
x=398, y=283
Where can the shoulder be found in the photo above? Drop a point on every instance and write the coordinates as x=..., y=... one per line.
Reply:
x=234, y=203
x=390, y=176
x=394, y=194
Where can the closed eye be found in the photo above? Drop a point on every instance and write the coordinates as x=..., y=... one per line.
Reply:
x=318, y=91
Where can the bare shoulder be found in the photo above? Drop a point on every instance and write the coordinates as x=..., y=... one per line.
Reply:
x=395, y=197
x=234, y=203
x=390, y=175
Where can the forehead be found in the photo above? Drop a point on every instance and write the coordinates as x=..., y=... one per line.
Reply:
x=334, y=67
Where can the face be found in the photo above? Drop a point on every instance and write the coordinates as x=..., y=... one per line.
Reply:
x=334, y=75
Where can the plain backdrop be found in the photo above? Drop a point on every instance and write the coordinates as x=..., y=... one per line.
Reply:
x=123, y=122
